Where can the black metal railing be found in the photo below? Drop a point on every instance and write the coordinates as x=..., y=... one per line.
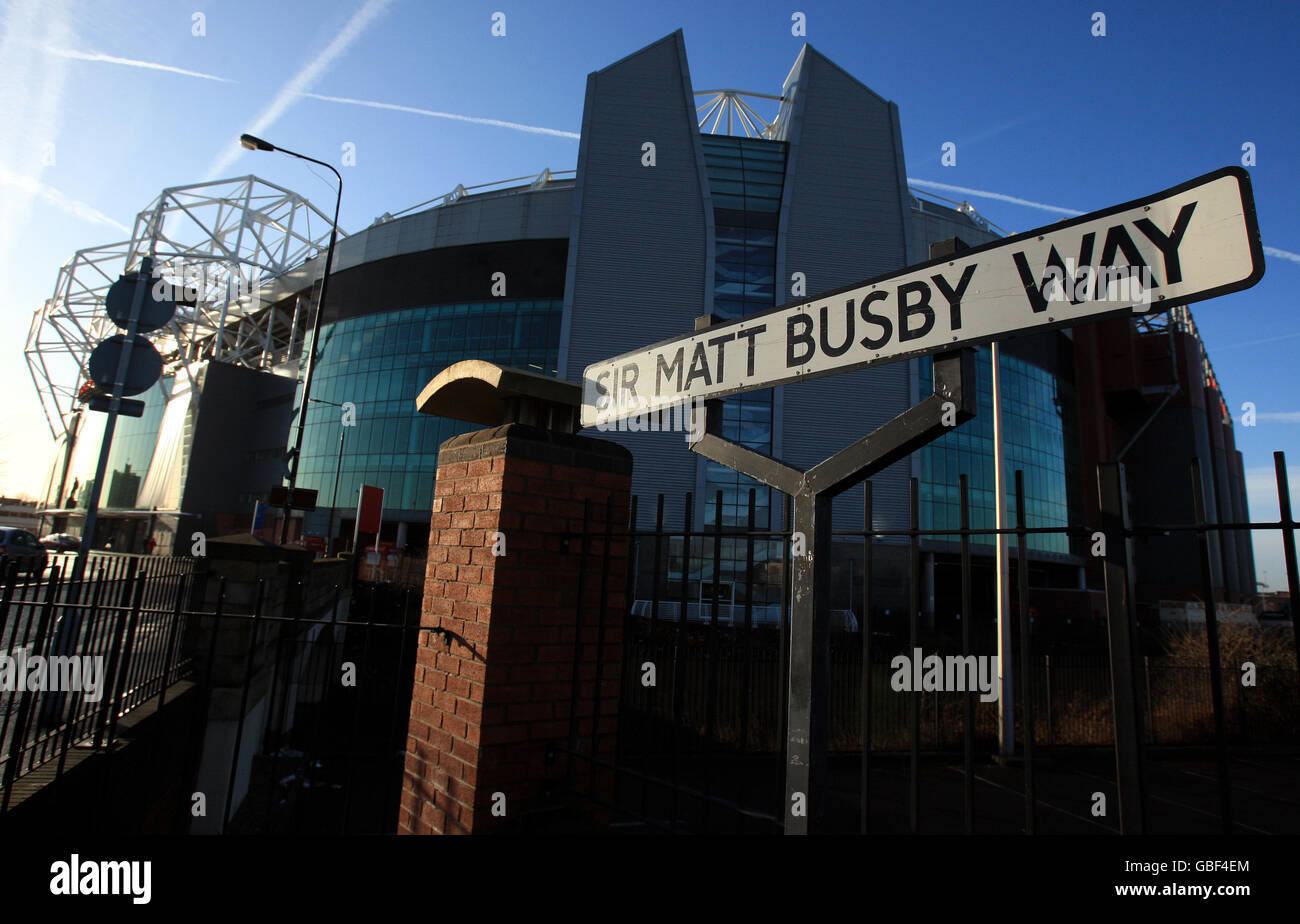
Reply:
x=702, y=686
x=1072, y=699
x=703, y=698
x=313, y=705
x=329, y=750
x=81, y=654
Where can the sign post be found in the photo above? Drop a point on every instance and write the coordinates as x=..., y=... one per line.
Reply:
x=811, y=493
x=127, y=364
x=1192, y=242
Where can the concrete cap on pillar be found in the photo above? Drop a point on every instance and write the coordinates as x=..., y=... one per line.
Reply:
x=481, y=392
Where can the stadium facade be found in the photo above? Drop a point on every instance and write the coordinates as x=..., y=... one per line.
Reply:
x=666, y=220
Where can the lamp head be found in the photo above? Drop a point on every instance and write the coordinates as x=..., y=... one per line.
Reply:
x=253, y=143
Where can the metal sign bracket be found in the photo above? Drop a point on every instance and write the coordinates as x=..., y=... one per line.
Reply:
x=812, y=491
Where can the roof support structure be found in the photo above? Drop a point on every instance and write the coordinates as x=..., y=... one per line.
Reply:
x=214, y=245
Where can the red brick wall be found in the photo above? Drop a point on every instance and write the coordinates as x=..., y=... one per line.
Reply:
x=490, y=699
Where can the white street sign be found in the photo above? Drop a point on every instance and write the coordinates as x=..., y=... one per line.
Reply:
x=1192, y=242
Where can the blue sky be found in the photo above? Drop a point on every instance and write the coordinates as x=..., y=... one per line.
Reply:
x=1040, y=109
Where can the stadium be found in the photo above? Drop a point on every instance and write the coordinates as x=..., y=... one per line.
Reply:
x=684, y=203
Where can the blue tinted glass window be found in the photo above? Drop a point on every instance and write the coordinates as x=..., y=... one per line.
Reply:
x=381, y=364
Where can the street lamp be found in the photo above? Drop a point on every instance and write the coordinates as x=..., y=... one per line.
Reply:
x=257, y=144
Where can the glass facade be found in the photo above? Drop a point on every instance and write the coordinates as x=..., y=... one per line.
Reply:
x=745, y=179
x=1040, y=439
x=380, y=363
x=134, y=440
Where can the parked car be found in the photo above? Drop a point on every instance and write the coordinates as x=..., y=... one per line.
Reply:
x=21, y=546
x=61, y=542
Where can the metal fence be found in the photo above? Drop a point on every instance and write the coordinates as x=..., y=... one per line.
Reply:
x=82, y=653
x=328, y=759
x=702, y=717
x=1072, y=699
x=322, y=755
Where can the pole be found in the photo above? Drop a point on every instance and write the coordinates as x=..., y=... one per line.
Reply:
x=310, y=371
x=811, y=492
x=968, y=734
x=115, y=404
x=1212, y=643
x=1288, y=546
x=356, y=524
x=1026, y=654
x=809, y=666
x=74, y=430
x=1006, y=705
x=1124, y=646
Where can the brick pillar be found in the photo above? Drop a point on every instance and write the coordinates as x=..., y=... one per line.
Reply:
x=493, y=693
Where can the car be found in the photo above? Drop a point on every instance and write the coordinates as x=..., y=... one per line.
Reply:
x=61, y=542
x=18, y=545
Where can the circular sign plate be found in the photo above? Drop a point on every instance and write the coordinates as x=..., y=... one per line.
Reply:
x=154, y=312
x=143, y=369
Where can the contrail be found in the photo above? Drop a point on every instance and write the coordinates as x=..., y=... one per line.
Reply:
x=1281, y=416
x=301, y=81
x=1284, y=254
x=31, y=97
x=1233, y=346
x=62, y=202
x=1001, y=197
x=995, y=130
x=130, y=62
x=445, y=115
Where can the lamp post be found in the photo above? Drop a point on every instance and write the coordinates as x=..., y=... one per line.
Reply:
x=257, y=144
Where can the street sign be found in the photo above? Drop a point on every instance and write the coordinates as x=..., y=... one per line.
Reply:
x=300, y=499
x=125, y=364
x=1192, y=242
x=128, y=408
x=143, y=368
x=370, y=509
x=370, y=515
x=154, y=311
